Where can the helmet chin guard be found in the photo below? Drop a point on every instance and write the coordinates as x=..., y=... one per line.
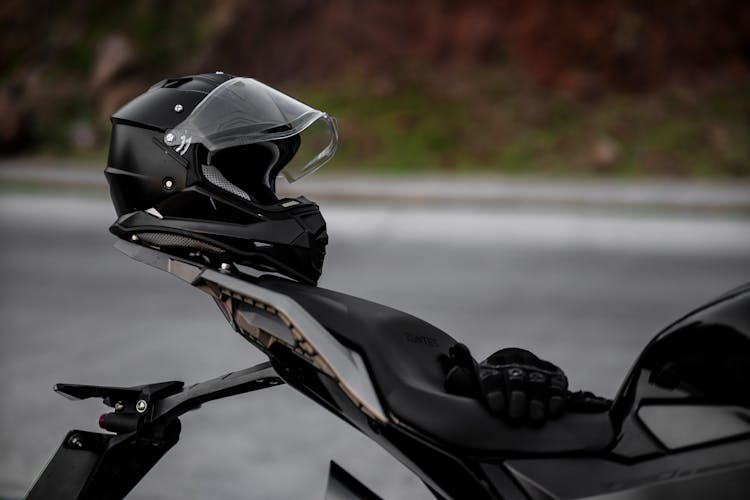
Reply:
x=192, y=171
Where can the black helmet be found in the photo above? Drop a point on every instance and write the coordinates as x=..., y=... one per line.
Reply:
x=192, y=170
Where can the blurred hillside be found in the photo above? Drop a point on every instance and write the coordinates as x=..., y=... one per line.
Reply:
x=618, y=87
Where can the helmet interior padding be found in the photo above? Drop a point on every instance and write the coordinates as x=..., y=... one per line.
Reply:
x=249, y=171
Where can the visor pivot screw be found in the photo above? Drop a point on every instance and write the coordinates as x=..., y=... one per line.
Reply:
x=134, y=237
x=168, y=183
x=178, y=108
x=141, y=406
x=119, y=406
x=169, y=137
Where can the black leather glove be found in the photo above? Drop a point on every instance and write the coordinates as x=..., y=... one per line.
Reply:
x=517, y=385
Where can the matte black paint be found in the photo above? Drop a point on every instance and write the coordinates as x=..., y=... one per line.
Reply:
x=285, y=236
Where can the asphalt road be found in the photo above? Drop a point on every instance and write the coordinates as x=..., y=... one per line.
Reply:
x=583, y=288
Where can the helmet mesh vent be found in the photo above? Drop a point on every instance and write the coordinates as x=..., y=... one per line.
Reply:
x=168, y=240
x=215, y=177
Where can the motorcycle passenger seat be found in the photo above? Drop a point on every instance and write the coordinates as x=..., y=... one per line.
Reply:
x=403, y=354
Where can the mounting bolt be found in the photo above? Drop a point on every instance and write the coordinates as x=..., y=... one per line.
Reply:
x=178, y=108
x=226, y=267
x=169, y=137
x=75, y=441
x=141, y=406
x=119, y=406
x=134, y=237
x=168, y=183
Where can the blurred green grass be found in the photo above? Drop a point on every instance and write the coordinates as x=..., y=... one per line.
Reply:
x=499, y=129
x=416, y=114
x=501, y=124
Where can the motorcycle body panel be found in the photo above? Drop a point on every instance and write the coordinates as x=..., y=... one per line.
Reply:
x=679, y=426
x=461, y=451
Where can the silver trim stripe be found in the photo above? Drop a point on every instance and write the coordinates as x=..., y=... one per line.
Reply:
x=345, y=365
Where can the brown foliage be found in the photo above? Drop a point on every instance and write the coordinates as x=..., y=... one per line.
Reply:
x=582, y=46
x=80, y=58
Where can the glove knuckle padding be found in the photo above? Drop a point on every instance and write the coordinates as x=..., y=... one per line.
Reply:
x=558, y=388
x=538, y=394
x=528, y=387
x=516, y=387
x=492, y=387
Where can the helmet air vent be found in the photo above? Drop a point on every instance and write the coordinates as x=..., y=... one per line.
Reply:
x=215, y=177
x=169, y=240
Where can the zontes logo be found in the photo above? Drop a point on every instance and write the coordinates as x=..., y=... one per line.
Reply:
x=421, y=339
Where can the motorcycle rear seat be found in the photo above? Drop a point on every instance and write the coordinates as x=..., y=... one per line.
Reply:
x=403, y=356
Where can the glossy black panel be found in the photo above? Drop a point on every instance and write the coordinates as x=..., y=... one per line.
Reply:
x=701, y=359
x=680, y=426
x=155, y=109
x=718, y=472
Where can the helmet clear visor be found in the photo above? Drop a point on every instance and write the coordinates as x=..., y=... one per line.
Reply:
x=243, y=111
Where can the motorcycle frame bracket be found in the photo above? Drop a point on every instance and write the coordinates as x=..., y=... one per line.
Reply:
x=145, y=425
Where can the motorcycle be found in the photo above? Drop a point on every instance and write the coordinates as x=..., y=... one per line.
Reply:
x=679, y=427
